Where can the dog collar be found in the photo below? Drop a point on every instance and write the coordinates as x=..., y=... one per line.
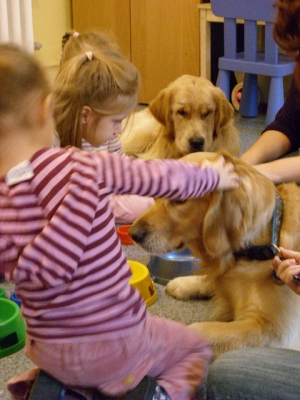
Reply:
x=266, y=252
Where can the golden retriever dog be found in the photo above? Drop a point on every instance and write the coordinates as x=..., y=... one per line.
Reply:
x=190, y=115
x=250, y=308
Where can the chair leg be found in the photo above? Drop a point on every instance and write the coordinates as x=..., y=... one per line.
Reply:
x=223, y=82
x=275, y=98
x=249, y=100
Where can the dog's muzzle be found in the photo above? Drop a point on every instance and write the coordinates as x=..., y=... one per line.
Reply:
x=137, y=235
x=196, y=144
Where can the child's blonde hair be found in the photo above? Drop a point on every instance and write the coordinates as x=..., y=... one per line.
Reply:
x=22, y=81
x=75, y=43
x=104, y=81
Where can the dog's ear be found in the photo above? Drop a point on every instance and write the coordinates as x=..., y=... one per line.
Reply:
x=226, y=222
x=160, y=106
x=215, y=237
x=224, y=110
x=235, y=216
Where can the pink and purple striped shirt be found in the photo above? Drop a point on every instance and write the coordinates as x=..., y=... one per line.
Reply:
x=58, y=233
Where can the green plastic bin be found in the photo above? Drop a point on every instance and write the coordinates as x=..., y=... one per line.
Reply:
x=12, y=328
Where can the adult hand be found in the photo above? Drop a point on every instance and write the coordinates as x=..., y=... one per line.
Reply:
x=288, y=268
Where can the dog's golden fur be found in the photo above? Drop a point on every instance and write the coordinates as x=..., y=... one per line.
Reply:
x=189, y=115
x=249, y=309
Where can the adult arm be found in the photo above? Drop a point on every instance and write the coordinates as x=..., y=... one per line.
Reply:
x=281, y=171
x=269, y=146
x=282, y=135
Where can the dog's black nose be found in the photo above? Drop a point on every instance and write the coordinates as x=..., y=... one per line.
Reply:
x=196, y=144
x=137, y=235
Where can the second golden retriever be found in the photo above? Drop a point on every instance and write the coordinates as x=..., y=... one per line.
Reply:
x=189, y=115
x=250, y=308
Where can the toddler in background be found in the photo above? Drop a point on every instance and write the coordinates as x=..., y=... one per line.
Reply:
x=126, y=208
x=74, y=44
x=86, y=325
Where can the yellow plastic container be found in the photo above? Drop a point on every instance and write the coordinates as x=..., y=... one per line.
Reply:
x=12, y=328
x=142, y=281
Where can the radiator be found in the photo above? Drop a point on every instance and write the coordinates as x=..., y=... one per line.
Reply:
x=16, y=23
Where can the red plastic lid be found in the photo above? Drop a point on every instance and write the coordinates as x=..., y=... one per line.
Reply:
x=123, y=234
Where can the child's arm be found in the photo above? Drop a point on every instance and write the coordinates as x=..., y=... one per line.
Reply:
x=173, y=179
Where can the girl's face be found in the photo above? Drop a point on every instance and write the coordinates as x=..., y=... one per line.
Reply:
x=98, y=129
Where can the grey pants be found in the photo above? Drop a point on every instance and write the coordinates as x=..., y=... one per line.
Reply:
x=255, y=374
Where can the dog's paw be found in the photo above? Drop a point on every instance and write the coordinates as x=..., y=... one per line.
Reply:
x=185, y=288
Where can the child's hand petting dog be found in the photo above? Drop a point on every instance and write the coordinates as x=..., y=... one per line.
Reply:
x=229, y=179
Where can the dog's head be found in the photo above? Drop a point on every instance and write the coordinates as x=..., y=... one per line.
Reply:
x=214, y=225
x=196, y=115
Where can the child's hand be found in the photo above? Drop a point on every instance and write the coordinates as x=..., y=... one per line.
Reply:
x=288, y=268
x=229, y=179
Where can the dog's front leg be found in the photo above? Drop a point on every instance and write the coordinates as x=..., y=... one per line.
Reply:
x=191, y=287
x=225, y=336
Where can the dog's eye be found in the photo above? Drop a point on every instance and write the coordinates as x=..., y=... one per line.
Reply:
x=183, y=113
x=177, y=202
x=206, y=114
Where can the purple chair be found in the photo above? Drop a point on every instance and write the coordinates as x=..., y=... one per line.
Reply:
x=251, y=62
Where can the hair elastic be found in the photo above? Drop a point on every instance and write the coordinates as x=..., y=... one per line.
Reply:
x=89, y=55
x=75, y=34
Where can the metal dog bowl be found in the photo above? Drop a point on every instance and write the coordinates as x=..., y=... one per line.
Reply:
x=172, y=265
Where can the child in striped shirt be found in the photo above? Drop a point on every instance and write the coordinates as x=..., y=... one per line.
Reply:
x=86, y=325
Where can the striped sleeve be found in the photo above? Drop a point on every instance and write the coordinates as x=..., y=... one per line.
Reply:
x=155, y=178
